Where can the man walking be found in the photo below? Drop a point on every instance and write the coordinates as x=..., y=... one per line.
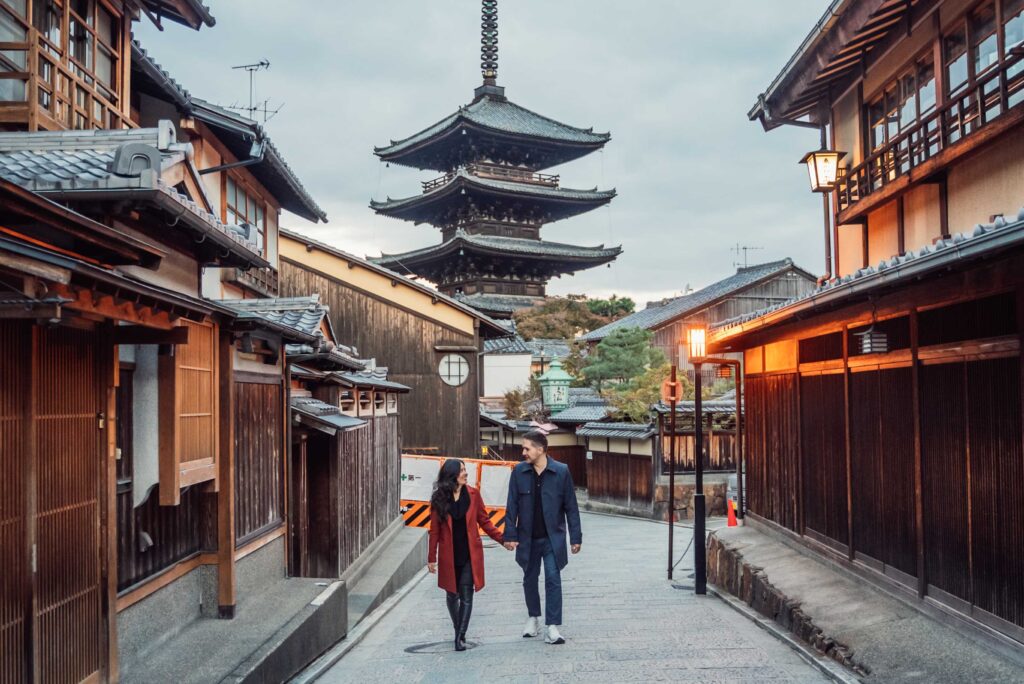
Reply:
x=541, y=500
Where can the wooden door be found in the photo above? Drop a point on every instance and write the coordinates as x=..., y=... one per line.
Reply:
x=53, y=451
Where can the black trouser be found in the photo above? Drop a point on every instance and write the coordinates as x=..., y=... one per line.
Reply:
x=460, y=605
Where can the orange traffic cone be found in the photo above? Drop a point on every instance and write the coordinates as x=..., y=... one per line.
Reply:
x=731, y=507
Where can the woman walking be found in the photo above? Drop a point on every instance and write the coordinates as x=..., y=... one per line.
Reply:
x=456, y=510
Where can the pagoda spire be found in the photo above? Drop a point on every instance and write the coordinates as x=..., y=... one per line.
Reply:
x=489, y=42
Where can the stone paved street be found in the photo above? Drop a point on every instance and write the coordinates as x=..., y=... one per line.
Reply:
x=623, y=621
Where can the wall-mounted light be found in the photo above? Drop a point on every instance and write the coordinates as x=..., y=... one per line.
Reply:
x=872, y=341
x=823, y=169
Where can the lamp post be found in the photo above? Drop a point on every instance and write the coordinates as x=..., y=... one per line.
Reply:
x=671, y=393
x=823, y=172
x=696, y=338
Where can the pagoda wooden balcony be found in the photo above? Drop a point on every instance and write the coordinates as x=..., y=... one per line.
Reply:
x=960, y=126
x=497, y=172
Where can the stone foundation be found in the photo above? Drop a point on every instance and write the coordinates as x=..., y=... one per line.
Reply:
x=714, y=499
x=730, y=573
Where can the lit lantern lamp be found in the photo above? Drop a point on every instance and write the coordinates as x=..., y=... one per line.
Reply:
x=723, y=372
x=554, y=386
x=823, y=169
x=873, y=341
x=696, y=342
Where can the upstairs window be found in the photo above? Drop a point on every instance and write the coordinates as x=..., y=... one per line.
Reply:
x=244, y=207
x=984, y=45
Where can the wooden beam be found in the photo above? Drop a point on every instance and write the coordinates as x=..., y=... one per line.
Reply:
x=33, y=267
x=136, y=334
x=109, y=532
x=915, y=374
x=226, y=577
x=848, y=444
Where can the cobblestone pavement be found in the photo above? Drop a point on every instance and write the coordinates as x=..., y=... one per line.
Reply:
x=623, y=622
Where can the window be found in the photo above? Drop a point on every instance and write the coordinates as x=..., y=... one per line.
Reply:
x=902, y=104
x=454, y=369
x=392, y=403
x=244, y=208
x=984, y=46
x=347, y=402
x=379, y=408
x=365, y=402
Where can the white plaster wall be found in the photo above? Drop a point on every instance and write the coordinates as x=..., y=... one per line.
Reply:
x=145, y=424
x=504, y=372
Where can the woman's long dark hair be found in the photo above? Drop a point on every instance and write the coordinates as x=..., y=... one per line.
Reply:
x=444, y=487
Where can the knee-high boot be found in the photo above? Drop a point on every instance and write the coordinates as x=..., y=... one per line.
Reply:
x=453, y=610
x=465, y=612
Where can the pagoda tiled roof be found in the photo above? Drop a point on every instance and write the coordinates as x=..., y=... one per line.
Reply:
x=498, y=304
x=463, y=180
x=499, y=115
x=505, y=245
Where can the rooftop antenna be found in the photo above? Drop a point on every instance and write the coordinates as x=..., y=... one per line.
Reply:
x=254, y=106
x=742, y=249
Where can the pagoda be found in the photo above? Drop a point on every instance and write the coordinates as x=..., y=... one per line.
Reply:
x=493, y=199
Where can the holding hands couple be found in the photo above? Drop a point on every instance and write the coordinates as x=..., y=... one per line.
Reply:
x=541, y=505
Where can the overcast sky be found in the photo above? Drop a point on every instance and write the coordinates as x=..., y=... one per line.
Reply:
x=672, y=80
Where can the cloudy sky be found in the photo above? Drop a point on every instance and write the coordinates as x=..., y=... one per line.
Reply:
x=672, y=80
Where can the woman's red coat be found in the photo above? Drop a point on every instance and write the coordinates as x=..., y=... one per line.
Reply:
x=440, y=539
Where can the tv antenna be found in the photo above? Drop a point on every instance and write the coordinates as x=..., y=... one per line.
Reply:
x=742, y=249
x=255, y=107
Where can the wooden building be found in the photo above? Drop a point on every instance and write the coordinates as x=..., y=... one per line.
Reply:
x=884, y=410
x=620, y=461
x=429, y=342
x=750, y=289
x=492, y=200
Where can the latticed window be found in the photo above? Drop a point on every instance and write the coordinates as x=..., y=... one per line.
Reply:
x=244, y=207
x=454, y=369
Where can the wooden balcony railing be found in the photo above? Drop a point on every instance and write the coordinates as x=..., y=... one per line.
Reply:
x=497, y=173
x=263, y=280
x=963, y=115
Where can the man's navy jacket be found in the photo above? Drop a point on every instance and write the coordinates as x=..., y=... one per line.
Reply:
x=559, y=504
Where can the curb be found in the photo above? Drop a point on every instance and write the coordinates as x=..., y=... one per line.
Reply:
x=826, y=666
x=318, y=667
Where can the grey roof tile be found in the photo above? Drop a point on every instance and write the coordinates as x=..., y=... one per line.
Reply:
x=502, y=115
x=506, y=345
x=654, y=316
x=617, y=430
x=497, y=304
x=582, y=413
x=507, y=245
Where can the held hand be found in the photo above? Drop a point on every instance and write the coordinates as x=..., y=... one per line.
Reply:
x=576, y=548
x=511, y=546
x=432, y=567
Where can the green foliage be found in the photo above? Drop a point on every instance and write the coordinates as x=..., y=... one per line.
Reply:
x=631, y=401
x=613, y=308
x=622, y=356
x=573, y=364
x=518, y=400
x=560, y=318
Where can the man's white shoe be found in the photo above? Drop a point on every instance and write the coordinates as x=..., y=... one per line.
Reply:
x=551, y=636
x=532, y=627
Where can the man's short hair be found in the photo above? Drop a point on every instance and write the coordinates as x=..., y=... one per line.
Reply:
x=537, y=437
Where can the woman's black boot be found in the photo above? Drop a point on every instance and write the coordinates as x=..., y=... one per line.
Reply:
x=453, y=611
x=465, y=611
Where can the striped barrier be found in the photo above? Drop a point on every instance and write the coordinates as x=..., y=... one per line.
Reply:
x=418, y=475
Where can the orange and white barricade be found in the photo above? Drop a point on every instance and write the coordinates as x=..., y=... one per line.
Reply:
x=418, y=476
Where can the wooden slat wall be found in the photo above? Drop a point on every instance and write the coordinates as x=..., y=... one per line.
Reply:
x=259, y=464
x=719, y=457
x=196, y=384
x=823, y=451
x=618, y=478
x=434, y=414
x=772, y=448
x=575, y=457
x=69, y=396
x=15, y=363
x=175, y=531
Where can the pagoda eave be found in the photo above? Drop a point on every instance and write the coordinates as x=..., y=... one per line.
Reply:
x=456, y=200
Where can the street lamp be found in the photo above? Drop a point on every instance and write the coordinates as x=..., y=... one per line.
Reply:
x=823, y=169
x=696, y=338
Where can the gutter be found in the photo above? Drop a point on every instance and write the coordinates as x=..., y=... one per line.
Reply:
x=968, y=248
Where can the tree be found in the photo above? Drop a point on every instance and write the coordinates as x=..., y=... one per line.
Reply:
x=573, y=363
x=613, y=308
x=631, y=401
x=520, y=401
x=622, y=356
x=561, y=318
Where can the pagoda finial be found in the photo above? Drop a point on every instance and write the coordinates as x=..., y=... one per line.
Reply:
x=489, y=42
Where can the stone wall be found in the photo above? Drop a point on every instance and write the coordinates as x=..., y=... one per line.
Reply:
x=729, y=572
x=714, y=499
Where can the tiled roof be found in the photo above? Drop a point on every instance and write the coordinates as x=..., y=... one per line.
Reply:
x=549, y=348
x=582, y=413
x=374, y=377
x=655, y=316
x=499, y=114
x=323, y=416
x=82, y=164
x=617, y=430
x=506, y=345
x=506, y=245
x=977, y=243
x=164, y=9
x=274, y=172
x=305, y=314
x=688, y=408
x=463, y=180
x=498, y=304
